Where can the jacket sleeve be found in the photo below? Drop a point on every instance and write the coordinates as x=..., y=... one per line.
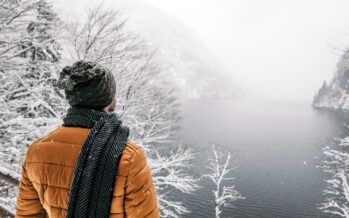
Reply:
x=140, y=195
x=28, y=203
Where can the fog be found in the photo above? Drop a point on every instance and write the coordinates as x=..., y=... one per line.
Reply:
x=273, y=49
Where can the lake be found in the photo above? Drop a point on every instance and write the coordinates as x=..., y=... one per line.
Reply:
x=276, y=146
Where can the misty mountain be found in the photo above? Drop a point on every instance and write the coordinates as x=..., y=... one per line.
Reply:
x=335, y=95
x=184, y=58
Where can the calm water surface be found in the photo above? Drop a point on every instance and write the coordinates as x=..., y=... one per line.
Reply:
x=277, y=147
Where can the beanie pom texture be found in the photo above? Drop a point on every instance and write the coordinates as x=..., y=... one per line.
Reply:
x=87, y=84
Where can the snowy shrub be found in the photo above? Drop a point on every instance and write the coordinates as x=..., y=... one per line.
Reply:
x=220, y=169
x=337, y=191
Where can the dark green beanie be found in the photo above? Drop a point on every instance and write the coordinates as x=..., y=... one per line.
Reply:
x=87, y=84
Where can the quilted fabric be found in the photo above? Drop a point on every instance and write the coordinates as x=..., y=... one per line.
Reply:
x=48, y=170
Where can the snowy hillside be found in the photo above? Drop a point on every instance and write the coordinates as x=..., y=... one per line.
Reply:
x=335, y=95
x=180, y=51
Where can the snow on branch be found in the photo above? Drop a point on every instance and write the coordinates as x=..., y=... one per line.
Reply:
x=220, y=174
x=337, y=191
x=170, y=173
x=170, y=170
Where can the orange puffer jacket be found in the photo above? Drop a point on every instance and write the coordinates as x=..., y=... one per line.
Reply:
x=49, y=167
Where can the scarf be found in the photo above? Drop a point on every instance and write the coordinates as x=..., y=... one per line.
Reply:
x=92, y=187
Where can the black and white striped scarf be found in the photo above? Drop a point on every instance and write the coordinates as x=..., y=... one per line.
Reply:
x=92, y=188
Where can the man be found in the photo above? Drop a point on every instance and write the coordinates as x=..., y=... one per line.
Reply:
x=87, y=167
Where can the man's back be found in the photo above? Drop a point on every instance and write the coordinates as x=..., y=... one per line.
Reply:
x=49, y=167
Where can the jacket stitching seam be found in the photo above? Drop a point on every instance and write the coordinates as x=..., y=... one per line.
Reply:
x=55, y=164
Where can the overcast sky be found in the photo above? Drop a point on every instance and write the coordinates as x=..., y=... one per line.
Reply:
x=273, y=48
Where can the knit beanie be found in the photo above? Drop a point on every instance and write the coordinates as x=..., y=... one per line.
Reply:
x=87, y=84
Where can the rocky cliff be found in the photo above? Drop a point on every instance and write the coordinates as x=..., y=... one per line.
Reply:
x=335, y=94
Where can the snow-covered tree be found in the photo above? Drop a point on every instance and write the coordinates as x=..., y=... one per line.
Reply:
x=147, y=103
x=29, y=56
x=31, y=106
x=337, y=191
x=220, y=169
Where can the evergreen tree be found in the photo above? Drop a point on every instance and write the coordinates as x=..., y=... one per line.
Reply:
x=30, y=59
x=42, y=53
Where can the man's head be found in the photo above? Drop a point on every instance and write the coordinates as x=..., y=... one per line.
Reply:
x=87, y=84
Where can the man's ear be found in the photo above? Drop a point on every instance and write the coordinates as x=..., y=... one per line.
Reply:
x=110, y=107
x=113, y=105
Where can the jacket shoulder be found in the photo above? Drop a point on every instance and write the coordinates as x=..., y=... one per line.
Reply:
x=132, y=157
x=61, y=146
x=35, y=144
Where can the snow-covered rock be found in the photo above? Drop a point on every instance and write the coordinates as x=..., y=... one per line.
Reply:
x=335, y=95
